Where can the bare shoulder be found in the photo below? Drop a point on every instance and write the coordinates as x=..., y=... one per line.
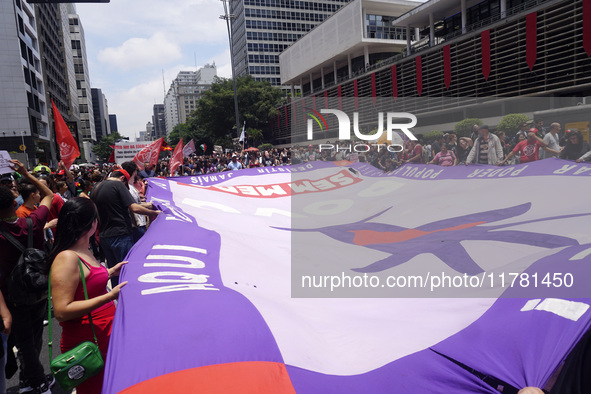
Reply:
x=65, y=262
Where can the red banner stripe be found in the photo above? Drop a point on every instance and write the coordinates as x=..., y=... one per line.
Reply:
x=340, y=101
x=531, y=39
x=446, y=66
x=485, y=44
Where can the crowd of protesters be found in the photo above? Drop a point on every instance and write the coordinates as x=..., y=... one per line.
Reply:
x=87, y=220
x=89, y=217
x=482, y=147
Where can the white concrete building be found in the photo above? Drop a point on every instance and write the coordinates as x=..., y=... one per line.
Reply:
x=355, y=37
x=184, y=93
x=262, y=29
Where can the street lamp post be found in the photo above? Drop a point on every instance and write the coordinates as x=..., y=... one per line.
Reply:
x=228, y=17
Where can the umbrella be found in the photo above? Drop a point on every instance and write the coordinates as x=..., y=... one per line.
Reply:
x=253, y=149
x=41, y=168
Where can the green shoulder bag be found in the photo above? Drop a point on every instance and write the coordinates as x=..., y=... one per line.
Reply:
x=80, y=363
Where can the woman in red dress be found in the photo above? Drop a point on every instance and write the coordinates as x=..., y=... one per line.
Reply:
x=77, y=222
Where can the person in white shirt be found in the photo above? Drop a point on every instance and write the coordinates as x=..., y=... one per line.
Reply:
x=552, y=141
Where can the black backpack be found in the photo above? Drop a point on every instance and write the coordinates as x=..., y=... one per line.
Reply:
x=27, y=282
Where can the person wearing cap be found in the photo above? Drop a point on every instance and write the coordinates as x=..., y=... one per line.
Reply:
x=113, y=202
x=528, y=149
x=234, y=164
x=487, y=148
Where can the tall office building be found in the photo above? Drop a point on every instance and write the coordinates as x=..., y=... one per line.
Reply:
x=73, y=113
x=113, y=123
x=159, y=123
x=100, y=110
x=23, y=106
x=148, y=134
x=78, y=44
x=262, y=29
x=184, y=92
x=54, y=72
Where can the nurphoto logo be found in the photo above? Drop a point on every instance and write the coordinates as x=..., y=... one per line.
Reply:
x=345, y=128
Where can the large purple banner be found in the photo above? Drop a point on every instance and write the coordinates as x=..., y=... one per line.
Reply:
x=234, y=287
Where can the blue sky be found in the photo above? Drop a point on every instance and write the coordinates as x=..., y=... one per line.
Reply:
x=130, y=44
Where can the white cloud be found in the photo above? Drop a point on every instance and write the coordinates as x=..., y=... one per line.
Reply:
x=134, y=106
x=223, y=64
x=193, y=21
x=141, y=52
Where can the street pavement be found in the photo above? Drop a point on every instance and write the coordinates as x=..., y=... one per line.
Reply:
x=12, y=383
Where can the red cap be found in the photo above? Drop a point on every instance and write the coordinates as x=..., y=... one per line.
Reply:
x=125, y=173
x=533, y=130
x=62, y=172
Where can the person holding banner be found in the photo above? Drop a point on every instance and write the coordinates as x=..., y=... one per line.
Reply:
x=77, y=223
x=114, y=202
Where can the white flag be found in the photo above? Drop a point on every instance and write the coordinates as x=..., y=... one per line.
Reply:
x=242, y=134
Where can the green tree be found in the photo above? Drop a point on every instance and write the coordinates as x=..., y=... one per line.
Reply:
x=511, y=122
x=103, y=149
x=175, y=135
x=254, y=135
x=465, y=127
x=432, y=135
x=213, y=122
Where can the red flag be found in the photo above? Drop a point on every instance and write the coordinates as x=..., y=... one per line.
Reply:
x=531, y=39
x=485, y=44
x=149, y=154
x=340, y=102
x=69, y=150
x=177, y=157
x=446, y=66
x=112, y=157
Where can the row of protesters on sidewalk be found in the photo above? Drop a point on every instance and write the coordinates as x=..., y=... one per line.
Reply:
x=67, y=225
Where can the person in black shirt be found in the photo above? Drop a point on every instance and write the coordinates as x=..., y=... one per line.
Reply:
x=114, y=202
